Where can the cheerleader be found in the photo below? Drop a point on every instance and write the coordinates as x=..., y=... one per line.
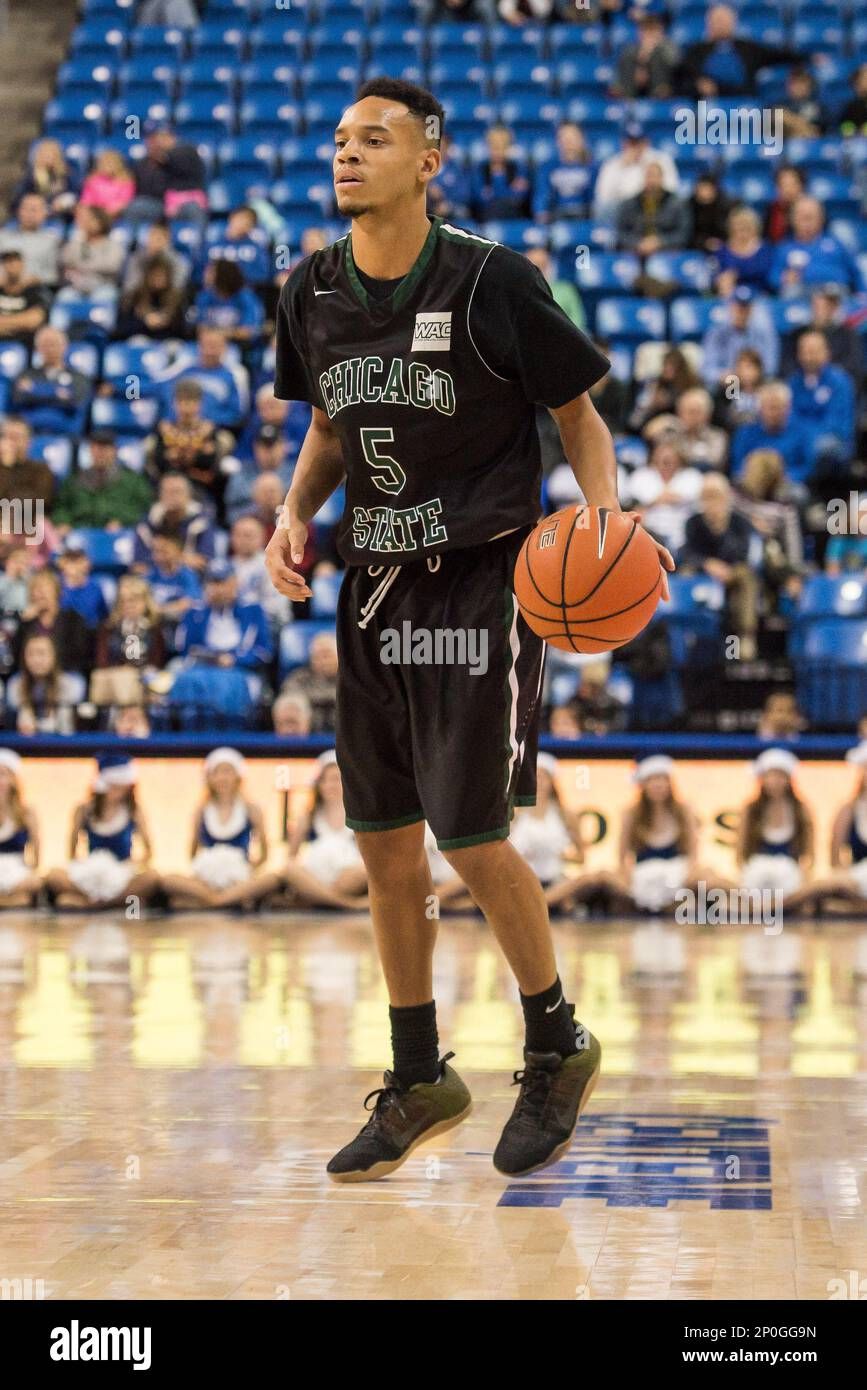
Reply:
x=19, y=838
x=658, y=839
x=775, y=836
x=847, y=883
x=229, y=844
x=545, y=833
x=107, y=825
x=325, y=868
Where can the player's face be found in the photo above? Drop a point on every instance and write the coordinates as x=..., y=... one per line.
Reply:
x=380, y=155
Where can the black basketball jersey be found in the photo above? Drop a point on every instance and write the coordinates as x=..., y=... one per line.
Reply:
x=432, y=391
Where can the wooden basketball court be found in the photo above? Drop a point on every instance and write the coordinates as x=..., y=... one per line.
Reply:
x=170, y=1092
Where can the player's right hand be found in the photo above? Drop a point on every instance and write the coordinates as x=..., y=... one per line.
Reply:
x=285, y=549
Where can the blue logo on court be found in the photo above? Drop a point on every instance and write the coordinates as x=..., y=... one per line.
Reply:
x=651, y=1160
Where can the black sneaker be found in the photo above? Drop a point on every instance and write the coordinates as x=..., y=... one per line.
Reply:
x=554, y=1091
x=403, y=1117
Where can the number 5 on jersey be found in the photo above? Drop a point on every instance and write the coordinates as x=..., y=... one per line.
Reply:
x=386, y=472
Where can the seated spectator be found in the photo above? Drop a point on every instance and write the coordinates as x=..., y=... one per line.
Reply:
x=812, y=256
x=49, y=175
x=776, y=430
x=621, y=176
x=269, y=494
x=803, y=118
x=717, y=543
x=737, y=396
x=789, y=187
x=745, y=328
x=744, y=259
x=703, y=445
x=597, y=710
x=106, y=494
x=245, y=245
x=42, y=696
x=170, y=179
x=79, y=591
x=500, y=184
x=269, y=456
x=450, y=192
x=155, y=308
x=846, y=552
x=247, y=552
x=709, y=210
x=221, y=401
x=291, y=715
x=318, y=682
x=15, y=581
x=524, y=11
x=722, y=64
x=610, y=396
x=44, y=617
x=823, y=402
x=130, y=721
x=157, y=244
x=844, y=342
x=173, y=585
x=223, y=636
x=781, y=719
x=53, y=396
x=664, y=492
x=655, y=219
x=176, y=510
x=227, y=302
x=564, y=722
x=564, y=292
x=129, y=646
x=22, y=478
x=23, y=300
x=853, y=117
x=39, y=244
x=767, y=500
x=110, y=186
x=659, y=396
x=562, y=186
x=189, y=444
x=165, y=14
x=291, y=418
x=646, y=68
x=91, y=261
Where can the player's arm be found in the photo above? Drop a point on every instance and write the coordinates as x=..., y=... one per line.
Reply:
x=589, y=451
x=318, y=473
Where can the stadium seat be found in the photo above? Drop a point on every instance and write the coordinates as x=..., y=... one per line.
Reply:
x=630, y=320
x=608, y=271
x=689, y=270
x=109, y=552
x=55, y=450
x=141, y=361
x=294, y=648
x=326, y=588
x=91, y=319
x=126, y=417
x=691, y=317
x=831, y=674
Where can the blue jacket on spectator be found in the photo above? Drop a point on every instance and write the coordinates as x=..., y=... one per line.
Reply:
x=824, y=405
x=793, y=443
x=241, y=310
x=87, y=600
x=168, y=588
x=822, y=261
x=250, y=253
x=207, y=629
x=221, y=401
x=563, y=190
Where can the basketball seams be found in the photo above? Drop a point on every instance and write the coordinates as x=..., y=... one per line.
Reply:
x=566, y=548
x=604, y=617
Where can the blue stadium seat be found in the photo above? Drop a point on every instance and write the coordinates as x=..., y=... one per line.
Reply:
x=142, y=360
x=630, y=450
x=126, y=417
x=224, y=38
x=295, y=639
x=517, y=233
x=630, y=320
x=505, y=40
x=522, y=70
x=690, y=270
x=252, y=155
x=331, y=511
x=278, y=34
x=529, y=113
x=789, y=314
x=161, y=82
x=750, y=187
x=337, y=42
x=159, y=41
x=110, y=552
x=326, y=588
x=99, y=38
x=76, y=115
x=298, y=192
x=831, y=674
x=696, y=601
x=691, y=317
x=589, y=108
x=832, y=596
x=55, y=450
x=13, y=360
x=459, y=70
x=608, y=271
x=91, y=319
x=455, y=37
x=205, y=74
x=96, y=80
x=817, y=35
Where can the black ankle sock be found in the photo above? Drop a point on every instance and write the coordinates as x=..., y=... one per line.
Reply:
x=548, y=1021
x=415, y=1043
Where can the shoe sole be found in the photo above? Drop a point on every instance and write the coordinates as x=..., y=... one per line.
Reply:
x=382, y=1170
x=561, y=1148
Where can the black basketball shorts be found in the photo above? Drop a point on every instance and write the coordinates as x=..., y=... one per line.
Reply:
x=438, y=695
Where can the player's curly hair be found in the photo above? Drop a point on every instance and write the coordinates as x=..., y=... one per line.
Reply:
x=422, y=103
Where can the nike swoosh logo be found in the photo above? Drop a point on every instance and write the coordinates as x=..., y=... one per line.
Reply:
x=555, y=1006
x=324, y=291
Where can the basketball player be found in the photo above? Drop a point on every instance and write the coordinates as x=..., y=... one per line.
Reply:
x=423, y=349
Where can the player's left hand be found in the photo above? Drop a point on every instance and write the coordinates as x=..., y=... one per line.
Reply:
x=666, y=559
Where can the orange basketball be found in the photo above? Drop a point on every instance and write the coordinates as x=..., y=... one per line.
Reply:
x=588, y=579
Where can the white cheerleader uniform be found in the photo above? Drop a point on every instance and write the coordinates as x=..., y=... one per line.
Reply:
x=542, y=841
x=329, y=851
x=224, y=858
x=13, y=870
x=107, y=870
x=659, y=872
x=774, y=867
